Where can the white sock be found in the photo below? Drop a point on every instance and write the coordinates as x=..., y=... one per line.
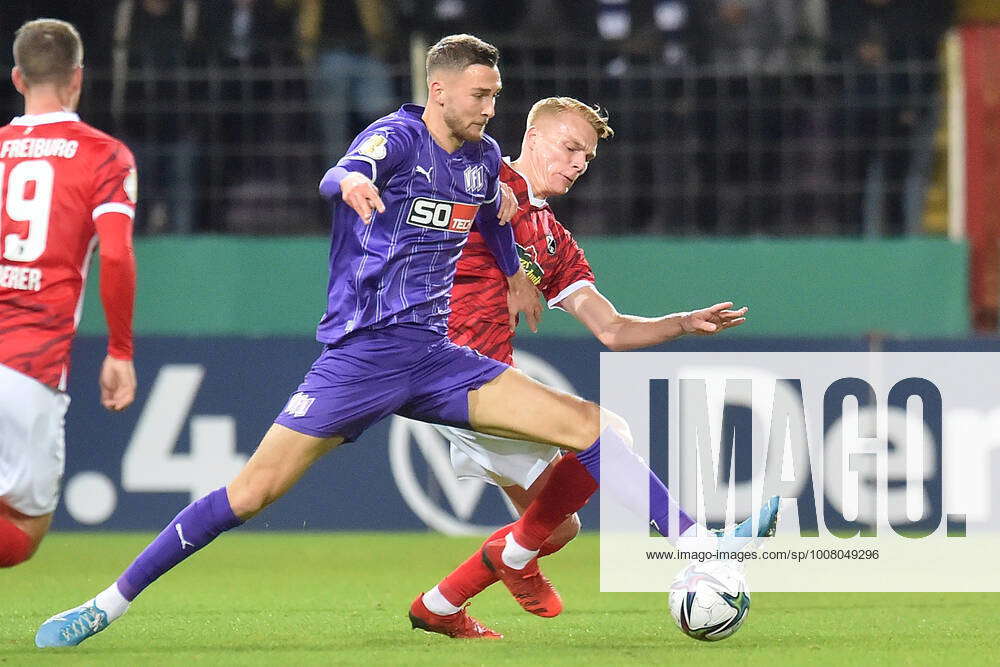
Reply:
x=514, y=555
x=438, y=604
x=697, y=538
x=112, y=602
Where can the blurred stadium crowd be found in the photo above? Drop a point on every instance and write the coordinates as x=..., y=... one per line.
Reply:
x=732, y=117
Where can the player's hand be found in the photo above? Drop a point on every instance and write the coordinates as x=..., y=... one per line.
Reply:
x=713, y=319
x=360, y=193
x=508, y=204
x=117, y=383
x=522, y=297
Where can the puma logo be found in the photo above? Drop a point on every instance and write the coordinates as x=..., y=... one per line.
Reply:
x=180, y=533
x=425, y=172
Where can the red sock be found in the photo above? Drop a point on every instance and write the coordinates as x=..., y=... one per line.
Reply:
x=15, y=544
x=568, y=489
x=473, y=577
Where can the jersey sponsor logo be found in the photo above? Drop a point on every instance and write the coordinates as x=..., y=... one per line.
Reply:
x=529, y=262
x=374, y=146
x=475, y=179
x=131, y=186
x=443, y=215
x=299, y=404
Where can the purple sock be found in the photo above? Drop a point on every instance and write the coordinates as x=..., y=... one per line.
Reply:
x=660, y=500
x=198, y=524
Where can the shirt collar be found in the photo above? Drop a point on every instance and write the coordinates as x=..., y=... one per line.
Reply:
x=45, y=118
x=537, y=202
x=413, y=110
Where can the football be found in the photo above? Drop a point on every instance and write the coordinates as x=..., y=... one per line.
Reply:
x=710, y=601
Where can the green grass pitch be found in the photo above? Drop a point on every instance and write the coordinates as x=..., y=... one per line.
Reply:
x=311, y=598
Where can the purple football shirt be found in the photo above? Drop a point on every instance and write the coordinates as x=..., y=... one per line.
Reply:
x=400, y=267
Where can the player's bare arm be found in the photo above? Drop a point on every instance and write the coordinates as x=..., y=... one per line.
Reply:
x=621, y=332
x=358, y=192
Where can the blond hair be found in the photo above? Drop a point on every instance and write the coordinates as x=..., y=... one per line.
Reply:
x=47, y=51
x=597, y=117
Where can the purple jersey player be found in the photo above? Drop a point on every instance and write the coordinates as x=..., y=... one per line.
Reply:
x=399, y=268
x=391, y=271
x=404, y=198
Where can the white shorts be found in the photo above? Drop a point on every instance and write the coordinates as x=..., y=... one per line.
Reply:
x=32, y=443
x=500, y=461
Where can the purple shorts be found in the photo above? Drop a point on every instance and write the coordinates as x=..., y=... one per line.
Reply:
x=402, y=369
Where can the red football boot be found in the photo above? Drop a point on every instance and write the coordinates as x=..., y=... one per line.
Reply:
x=458, y=625
x=529, y=586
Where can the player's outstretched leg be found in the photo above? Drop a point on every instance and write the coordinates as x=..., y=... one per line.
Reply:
x=280, y=460
x=197, y=525
x=458, y=625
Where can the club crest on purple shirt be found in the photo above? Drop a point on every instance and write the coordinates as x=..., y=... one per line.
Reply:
x=475, y=179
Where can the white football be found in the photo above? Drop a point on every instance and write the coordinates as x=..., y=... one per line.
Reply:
x=711, y=600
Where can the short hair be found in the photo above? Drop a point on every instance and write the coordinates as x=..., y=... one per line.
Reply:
x=456, y=52
x=47, y=51
x=595, y=115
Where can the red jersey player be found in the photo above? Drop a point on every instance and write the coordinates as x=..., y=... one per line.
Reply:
x=64, y=186
x=558, y=145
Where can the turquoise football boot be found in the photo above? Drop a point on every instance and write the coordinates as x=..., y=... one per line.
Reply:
x=72, y=626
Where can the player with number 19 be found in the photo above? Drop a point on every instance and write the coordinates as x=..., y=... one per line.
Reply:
x=64, y=188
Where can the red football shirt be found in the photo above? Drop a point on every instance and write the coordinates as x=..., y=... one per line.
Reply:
x=63, y=186
x=549, y=255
